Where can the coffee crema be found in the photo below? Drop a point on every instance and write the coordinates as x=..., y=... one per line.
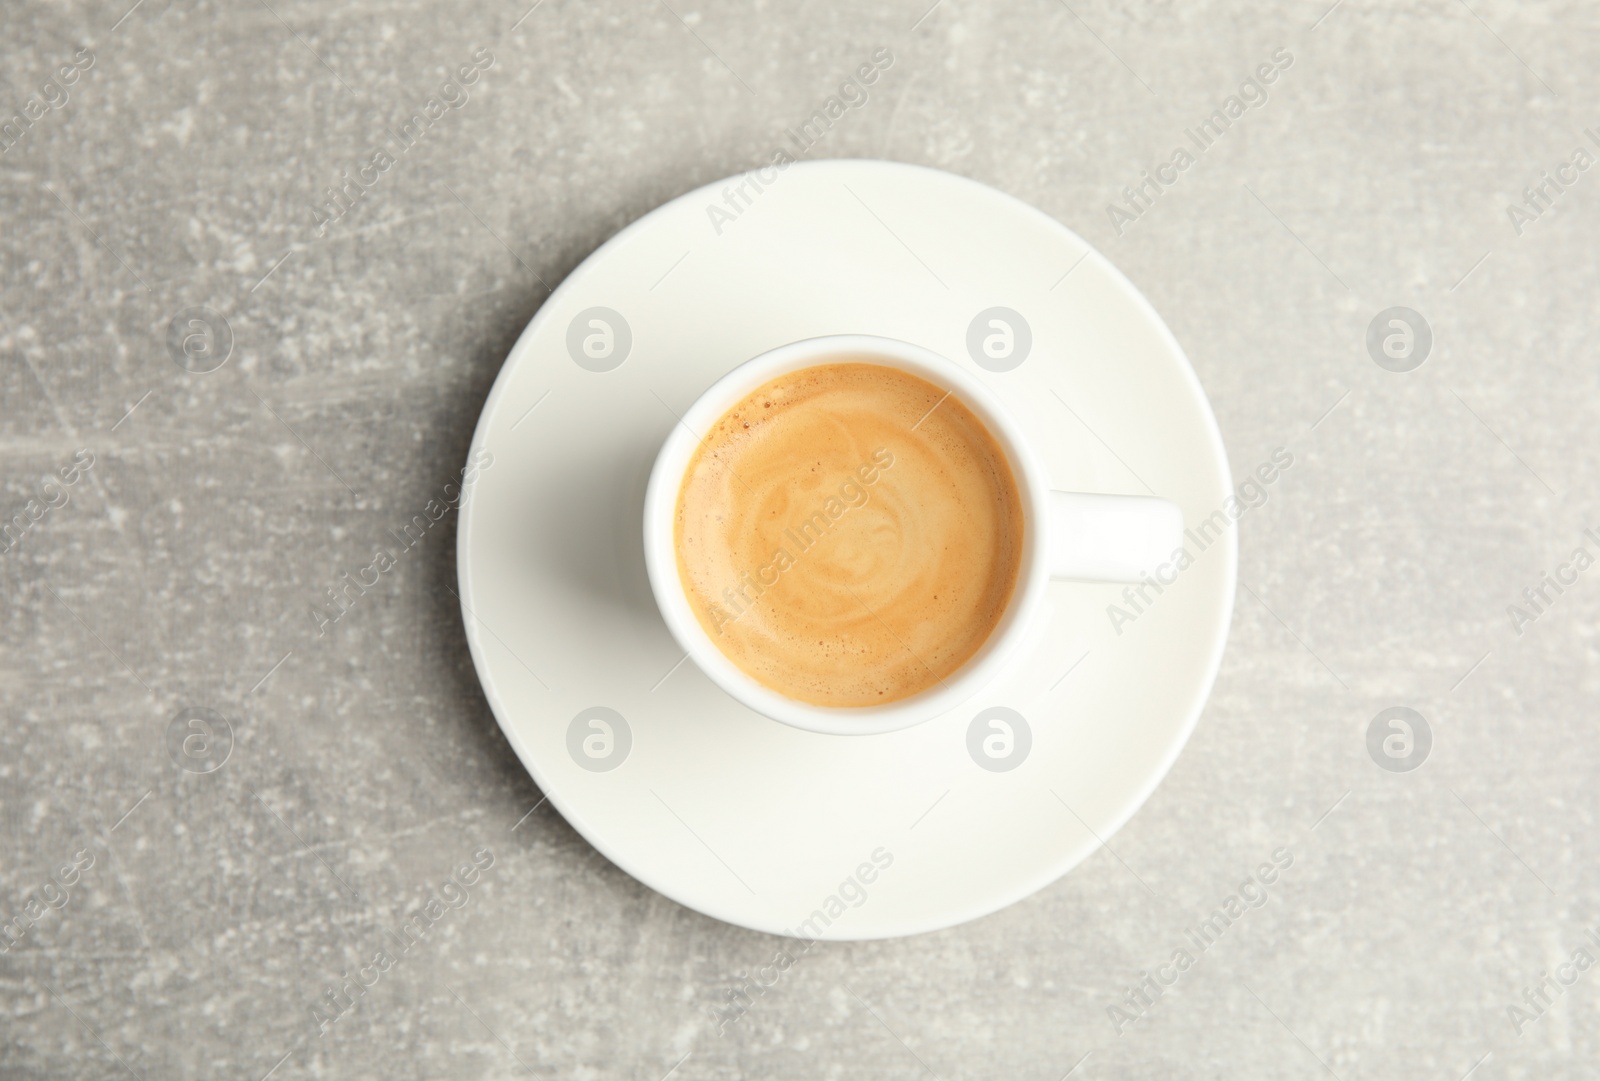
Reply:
x=849, y=534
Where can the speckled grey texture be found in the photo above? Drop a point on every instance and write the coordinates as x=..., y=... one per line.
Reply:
x=363, y=768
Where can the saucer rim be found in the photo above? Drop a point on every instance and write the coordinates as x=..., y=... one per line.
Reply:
x=1048, y=871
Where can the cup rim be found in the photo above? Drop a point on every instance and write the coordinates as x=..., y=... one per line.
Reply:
x=660, y=507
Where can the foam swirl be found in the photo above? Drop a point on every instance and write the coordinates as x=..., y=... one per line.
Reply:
x=849, y=534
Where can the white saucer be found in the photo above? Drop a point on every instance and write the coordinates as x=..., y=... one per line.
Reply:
x=738, y=816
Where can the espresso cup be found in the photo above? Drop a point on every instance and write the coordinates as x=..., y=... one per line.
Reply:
x=1080, y=536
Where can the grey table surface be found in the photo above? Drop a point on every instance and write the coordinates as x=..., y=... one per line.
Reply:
x=169, y=923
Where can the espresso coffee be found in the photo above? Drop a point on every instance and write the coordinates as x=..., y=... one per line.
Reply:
x=849, y=534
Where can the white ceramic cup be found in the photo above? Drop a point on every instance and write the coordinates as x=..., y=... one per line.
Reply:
x=1066, y=535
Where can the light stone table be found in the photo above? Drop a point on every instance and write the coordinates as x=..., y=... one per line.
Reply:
x=166, y=202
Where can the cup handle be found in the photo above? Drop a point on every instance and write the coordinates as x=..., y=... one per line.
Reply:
x=1111, y=538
